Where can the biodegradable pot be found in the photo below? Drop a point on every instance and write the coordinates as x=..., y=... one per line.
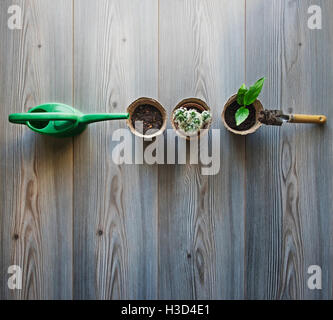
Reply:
x=196, y=104
x=258, y=107
x=149, y=101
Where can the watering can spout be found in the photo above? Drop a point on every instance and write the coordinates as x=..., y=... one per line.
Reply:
x=96, y=117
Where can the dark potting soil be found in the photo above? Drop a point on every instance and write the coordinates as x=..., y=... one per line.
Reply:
x=229, y=117
x=271, y=117
x=150, y=116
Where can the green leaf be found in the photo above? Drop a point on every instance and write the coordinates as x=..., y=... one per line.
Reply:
x=241, y=115
x=252, y=94
x=240, y=95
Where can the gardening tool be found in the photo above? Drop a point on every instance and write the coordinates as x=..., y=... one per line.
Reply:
x=60, y=120
x=271, y=117
x=277, y=118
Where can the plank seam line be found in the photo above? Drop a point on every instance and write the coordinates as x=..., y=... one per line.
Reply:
x=158, y=185
x=73, y=180
x=245, y=169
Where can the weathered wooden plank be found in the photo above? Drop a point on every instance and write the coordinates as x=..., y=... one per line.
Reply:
x=115, y=217
x=35, y=172
x=263, y=204
x=201, y=218
x=289, y=207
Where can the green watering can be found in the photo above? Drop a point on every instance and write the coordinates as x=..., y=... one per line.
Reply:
x=60, y=120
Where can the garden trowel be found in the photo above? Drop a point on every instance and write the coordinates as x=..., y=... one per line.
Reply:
x=277, y=118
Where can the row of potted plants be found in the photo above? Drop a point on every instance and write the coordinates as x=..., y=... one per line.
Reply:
x=191, y=116
x=242, y=114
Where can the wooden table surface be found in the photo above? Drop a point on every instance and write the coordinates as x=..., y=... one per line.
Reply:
x=82, y=227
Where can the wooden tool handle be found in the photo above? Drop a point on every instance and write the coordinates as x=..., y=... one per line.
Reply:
x=307, y=118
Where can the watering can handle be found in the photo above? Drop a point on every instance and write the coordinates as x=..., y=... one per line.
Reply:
x=22, y=118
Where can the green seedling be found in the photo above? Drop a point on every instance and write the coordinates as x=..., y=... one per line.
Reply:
x=246, y=97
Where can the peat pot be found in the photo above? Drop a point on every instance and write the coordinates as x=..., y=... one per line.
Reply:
x=147, y=118
x=191, y=103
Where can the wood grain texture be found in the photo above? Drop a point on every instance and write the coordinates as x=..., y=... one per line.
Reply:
x=289, y=208
x=201, y=218
x=115, y=206
x=82, y=227
x=35, y=172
